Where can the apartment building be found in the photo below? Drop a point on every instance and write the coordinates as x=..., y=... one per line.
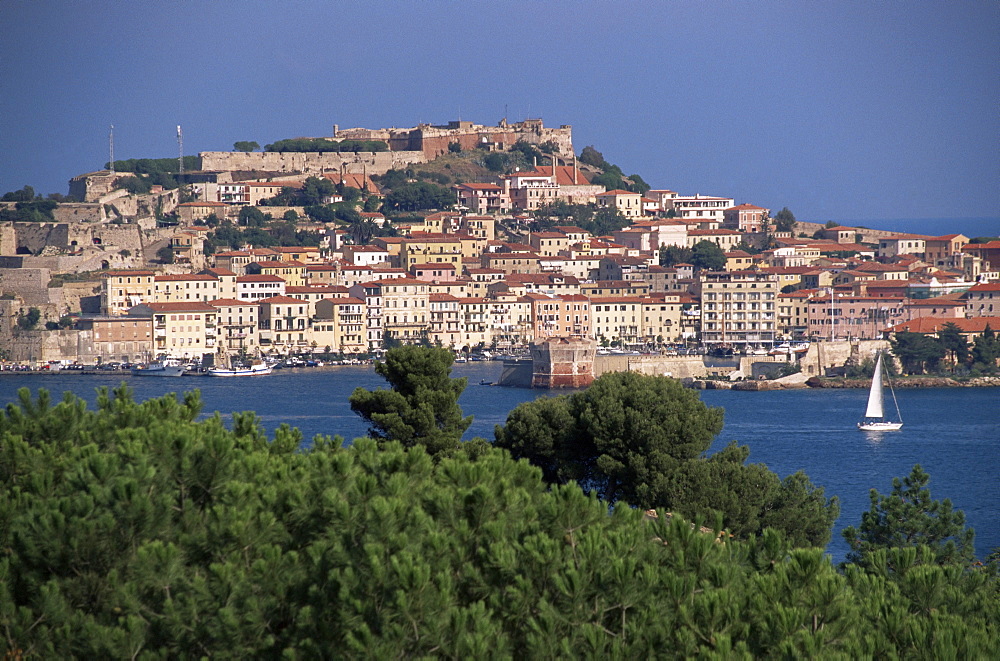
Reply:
x=237, y=328
x=340, y=324
x=182, y=329
x=185, y=287
x=122, y=290
x=738, y=308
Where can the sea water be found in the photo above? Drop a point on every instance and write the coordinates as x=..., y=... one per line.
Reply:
x=953, y=433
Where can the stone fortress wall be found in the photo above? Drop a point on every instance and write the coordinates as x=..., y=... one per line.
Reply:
x=310, y=162
x=408, y=146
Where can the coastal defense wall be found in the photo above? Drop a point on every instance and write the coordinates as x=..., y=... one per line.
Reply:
x=563, y=363
x=310, y=162
x=824, y=358
x=678, y=367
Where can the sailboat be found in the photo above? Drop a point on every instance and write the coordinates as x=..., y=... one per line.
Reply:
x=875, y=419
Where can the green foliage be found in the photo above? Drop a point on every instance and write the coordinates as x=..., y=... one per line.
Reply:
x=135, y=185
x=422, y=407
x=26, y=194
x=671, y=255
x=252, y=217
x=642, y=440
x=138, y=531
x=784, y=220
x=917, y=352
x=156, y=166
x=324, y=145
x=245, y=146
x=454, y=147
x=165, y=255
x=708, y=256
x=590, y=156
x=29, y=320
x=986, y=351
x=418, y=196
x=33, y=211
x=907, y=518
x=954, y=343
x=496, y=161
x=393, y=178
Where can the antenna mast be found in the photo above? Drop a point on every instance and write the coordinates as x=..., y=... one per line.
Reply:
x=180, y=154
x=111, y=148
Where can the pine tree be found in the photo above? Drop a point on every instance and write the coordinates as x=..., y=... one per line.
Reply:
x=908, y=517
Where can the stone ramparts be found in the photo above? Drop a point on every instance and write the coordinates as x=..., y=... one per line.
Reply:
x=310, y=162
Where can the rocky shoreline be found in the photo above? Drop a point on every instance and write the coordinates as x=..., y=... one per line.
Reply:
x=791, y=383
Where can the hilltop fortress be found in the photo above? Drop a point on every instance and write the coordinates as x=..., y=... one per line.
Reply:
x=407, y=146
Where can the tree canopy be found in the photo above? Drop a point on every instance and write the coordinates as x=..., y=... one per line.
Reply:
x=422, y=406
x=418, y=196
x=909, y=517
x=708, y=256
x=785, y=220
x=325, y=145
x=642, y=440
x=138, y=530
x=246, y=146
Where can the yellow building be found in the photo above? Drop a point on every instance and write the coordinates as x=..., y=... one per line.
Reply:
x=292, y=272
x=661, y=318
x=627, y=203
x=121, y=290
x=185, y=287
x=340, y=324
x=617, y=319
x=181, y=329
x=285, y=325
x=431, y=249
x=237, y=328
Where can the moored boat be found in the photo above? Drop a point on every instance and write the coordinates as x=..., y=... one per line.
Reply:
x=255, y=369
x=165, y=367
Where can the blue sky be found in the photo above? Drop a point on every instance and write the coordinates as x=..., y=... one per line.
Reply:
x=840, y=110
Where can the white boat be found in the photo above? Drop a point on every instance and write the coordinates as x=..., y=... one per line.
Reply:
x=875, y=419
x=164, y=367
x=256, y=369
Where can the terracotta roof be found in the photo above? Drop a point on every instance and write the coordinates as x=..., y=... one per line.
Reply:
x=124, y=274
x=223, y=302
x=934, y=324
x=181, y=306
x=263, y=277
x=181, y=277
x=280, y=299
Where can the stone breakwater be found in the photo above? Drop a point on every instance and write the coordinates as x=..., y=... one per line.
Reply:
x=818, y=382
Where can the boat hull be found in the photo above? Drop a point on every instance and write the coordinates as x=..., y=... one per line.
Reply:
x=165, y=370
x=253, y=371
x=880, y=426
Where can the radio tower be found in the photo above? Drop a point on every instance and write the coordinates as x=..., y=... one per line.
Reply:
x=180, y=154
x=111, y=148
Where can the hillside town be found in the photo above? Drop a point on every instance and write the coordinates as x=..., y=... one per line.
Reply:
x=337, y=251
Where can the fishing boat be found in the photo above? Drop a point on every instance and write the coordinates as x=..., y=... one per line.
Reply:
x=875, y=419
x=254, y=369
x=165, y=367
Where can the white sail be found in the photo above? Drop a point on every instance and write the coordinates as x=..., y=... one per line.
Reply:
x=875, y=407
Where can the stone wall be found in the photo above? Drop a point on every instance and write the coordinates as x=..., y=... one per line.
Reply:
x=563, y=363
x=29, y=284
x=310, y=162
x=826, y=358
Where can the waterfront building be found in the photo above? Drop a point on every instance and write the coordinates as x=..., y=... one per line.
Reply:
x=339, y=324
x=123, y=338
x=257, y=287
x=738, y=308
x=185, y=287
x=183, y=329
x=236, y=325
x=121, y=290
x=285, y=324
